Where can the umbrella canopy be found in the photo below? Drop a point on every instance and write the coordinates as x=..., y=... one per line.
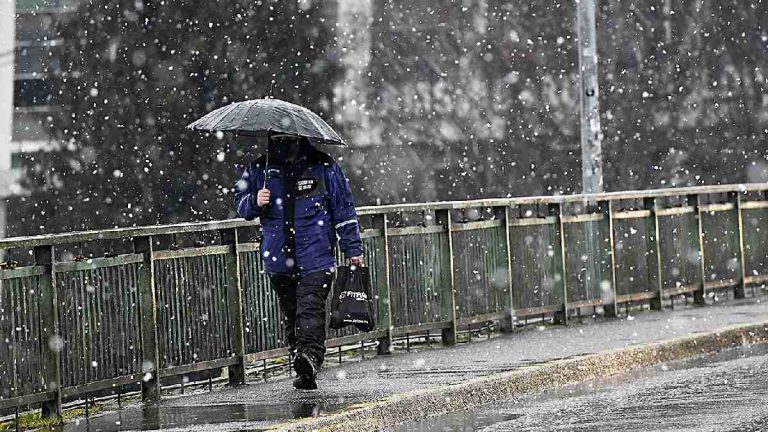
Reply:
x=261, y=117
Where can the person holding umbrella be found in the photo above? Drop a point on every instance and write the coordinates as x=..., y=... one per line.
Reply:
x=304, y=203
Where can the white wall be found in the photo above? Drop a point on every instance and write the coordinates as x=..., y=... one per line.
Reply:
x=353, y=31
x=7, y=42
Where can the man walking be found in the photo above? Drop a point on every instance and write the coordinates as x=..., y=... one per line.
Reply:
x=304, y=203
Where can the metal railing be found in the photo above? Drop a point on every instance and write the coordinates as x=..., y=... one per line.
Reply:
x=88, y=311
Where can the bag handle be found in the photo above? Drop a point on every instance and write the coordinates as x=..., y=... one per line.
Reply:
x=348, y=263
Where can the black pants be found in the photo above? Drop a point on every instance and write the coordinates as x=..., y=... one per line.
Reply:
x=302, y=301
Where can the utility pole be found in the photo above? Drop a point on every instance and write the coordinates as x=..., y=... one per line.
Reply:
x=591, y=136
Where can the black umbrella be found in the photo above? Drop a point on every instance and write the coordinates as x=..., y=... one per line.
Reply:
x=264, y=117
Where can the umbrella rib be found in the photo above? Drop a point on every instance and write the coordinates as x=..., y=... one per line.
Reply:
x=218, y=119
x=221, y=120
x=311, y=117
x=245, y=116
x=295, y=121
x=328, y=133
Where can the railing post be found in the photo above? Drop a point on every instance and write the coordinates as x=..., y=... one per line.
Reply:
x=606, y=208
x=510, y=297
x=150, y=385
x=443, y=217
x=741, y=287
x=653, y=244
x=50, y=345
x=699, y=296
x=385, y=306
x=556, y=210
x=236, y=372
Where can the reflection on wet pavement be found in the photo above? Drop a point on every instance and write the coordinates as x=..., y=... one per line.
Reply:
x=722, y=392
x=165, y=417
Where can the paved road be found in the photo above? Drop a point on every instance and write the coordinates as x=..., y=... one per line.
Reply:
x=260, y=404
x=722, y=392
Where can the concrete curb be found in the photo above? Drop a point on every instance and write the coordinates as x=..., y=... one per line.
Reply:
x=442, y=399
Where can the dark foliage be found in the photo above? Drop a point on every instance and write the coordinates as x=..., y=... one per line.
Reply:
x=465, y=100
x=134, y=74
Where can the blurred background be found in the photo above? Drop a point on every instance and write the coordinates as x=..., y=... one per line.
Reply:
x=439, y=99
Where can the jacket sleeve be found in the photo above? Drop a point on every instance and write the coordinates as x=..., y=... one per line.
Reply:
x=343, y=214
x=245, y=194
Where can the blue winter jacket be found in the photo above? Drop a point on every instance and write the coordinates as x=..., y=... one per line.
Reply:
x=310, y=205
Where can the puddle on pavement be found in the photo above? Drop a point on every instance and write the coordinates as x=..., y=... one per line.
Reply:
x=156, y=418
x=679, y=395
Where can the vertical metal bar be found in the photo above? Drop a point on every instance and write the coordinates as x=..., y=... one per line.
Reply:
x=150, y=385
x=556, y=210
x=699, y=296
x=653, y=249
x=77, y=325
x=234, y=305
x=591, y=136
x=510, y=297
x=86, y=329
x=197, y=299
x=610, y=306
x=443, y=217
x=740, y=289
x=49, y=332
x=385, y=301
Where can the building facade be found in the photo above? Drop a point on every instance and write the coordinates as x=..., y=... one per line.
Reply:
x=27, y=39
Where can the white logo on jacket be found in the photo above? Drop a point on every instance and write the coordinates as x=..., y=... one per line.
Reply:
x=354, y=294
x=305, y=185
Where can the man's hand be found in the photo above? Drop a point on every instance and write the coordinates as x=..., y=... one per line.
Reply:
x=356, y=261
x=262, y=198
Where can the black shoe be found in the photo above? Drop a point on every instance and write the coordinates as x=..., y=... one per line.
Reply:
x=306, y=368
x=302, y=383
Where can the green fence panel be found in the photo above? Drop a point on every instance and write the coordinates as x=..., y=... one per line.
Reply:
x=263, y=321
x=192, y=309
x=632, y=257
x=721, y=245
x=536, y=278
x=99, y=321
x=679, y=256
x=587, y=261
x=20, y=360
x=420, y=269
x=756, y=241
x=480, y=271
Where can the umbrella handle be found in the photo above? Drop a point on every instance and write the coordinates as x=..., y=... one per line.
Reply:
x=266, y=163
x=266, y=166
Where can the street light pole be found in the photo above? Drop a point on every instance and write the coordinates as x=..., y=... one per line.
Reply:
x=591, y=136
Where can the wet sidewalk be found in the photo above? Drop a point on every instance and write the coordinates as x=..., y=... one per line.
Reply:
x=676, y=396
x=261, y=404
